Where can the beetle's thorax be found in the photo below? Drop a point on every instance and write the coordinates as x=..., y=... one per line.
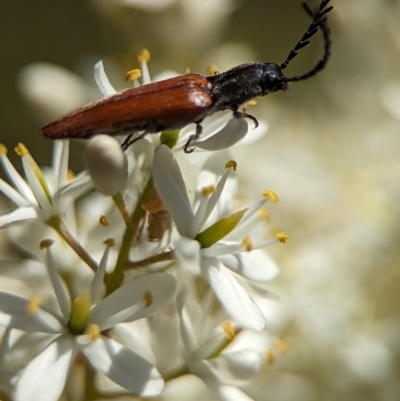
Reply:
x=232, y=88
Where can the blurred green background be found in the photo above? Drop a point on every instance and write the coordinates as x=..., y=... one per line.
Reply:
x=332, y=153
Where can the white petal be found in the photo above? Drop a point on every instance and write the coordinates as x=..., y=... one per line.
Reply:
x=97, y=282
x=60, y=163
x=58, y=285
x=18, y=216
x=45, y=377
x=229, y=393
x=255, y=265
x=232, y=295
x=237, y=367
x=161, y=286
x=14, y=195
x=256, y=134
x=13, y=313
x=222, y=248
x=124, y=367
x=102, y=80
x=235, y=130
x=70, y=192
x=172, y=189
x=35, y=184
x=18, y=182
x=186, y=326
x=217, y=193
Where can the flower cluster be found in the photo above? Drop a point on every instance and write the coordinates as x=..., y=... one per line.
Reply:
x=140, y=270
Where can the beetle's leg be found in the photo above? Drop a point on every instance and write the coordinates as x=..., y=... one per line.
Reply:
x=125, y=144
x=128, y=141
x=199, y=130
x=241, y=114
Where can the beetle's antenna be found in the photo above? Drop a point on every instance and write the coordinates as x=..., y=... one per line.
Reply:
x=319, y=21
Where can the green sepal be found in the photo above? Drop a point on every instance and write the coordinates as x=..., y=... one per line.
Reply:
x=169, y=138
x=220, y=229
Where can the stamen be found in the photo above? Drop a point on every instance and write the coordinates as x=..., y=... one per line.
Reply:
x=231, y=164
x=270, y=356
x=3, y=150
x=212, y=69
x=144, y=55
x=110, y=242
x=282, y=345
x=229, y=330
x=21, y=150
x=252, y=102
x=70, y=175
x=248, y=245
x=207, y=191
x=46, y=243
x=33, y=306
x=271, y=195
x=93, y=331
x=148, y=298
x=103, y=220
x=264, y=213
x=282, y=237
x=133, y=74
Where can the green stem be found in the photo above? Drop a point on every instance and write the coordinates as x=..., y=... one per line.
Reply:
x=90, y=389
x=122, y=207
x=113, y=280
x=161, y=257
x=58, y=225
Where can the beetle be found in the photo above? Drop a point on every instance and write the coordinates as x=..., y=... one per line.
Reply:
x=176, y=102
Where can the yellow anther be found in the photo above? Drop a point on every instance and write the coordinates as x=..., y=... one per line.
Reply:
x=70, y=175
x=231, y=164
x=21, y=150
x=3, y=149
x=144, y=55
x=212, y=69
x=270, y=357
x=103, y=220
x=282, y=345
x=110, y=242
x=282, y=237
x=133, y=74
x=148, y=298
x=248, y=245
x=206, y=191
x=252, y=102
x=271, y=195
x=264, y=213
x=229, y=330
x=93, y=331
x=33, y=306
x=46, y=243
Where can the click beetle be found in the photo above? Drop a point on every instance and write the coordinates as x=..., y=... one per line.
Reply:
x=176, y=102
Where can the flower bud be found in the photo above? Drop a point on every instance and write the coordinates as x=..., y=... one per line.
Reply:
x=106, y=164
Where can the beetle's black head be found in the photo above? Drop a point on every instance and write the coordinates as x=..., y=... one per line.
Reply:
x=273, y=79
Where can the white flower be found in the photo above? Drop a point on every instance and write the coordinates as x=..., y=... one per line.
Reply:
x=79, y=327
x=223, y=372
x=41, y=196
x=216, y=252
